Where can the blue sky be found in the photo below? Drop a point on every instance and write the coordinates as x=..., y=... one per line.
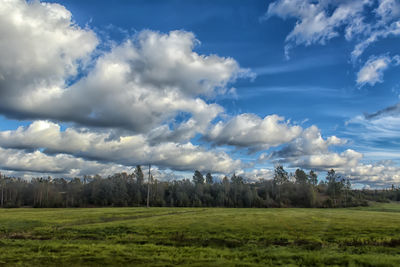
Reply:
x=239, y=86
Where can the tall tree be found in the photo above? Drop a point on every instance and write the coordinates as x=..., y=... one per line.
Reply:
x=139, y=175
x=313, y=178
x=280, y=175
x=198, y=177
x=300, y=176
x=148, y=188
x=209, y=178
x=335, y=185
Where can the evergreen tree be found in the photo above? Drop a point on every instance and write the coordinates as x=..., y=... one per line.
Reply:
x=313, y=178
x=139, y=175
x=300, y=177
x=198, y=178
x=280, y=176
x=209, y=178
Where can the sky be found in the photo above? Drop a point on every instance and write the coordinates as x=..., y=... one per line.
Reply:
x=98, y=87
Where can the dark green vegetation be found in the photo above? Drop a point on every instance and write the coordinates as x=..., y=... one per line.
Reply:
x=368, y=236
x=284, y=190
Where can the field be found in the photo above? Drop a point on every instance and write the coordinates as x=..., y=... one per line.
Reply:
x=201, y=236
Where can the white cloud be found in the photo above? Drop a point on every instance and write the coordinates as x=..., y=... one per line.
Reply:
x=256, y=175
x=311, y=151
x=315, y=24
x=388, y=9
x=146, y=96
x=378, y=174
x=328, y=160
x=365, y=21
x=309, y=142
x=127, y=150
x=252, y=132
x=375, y=35
x=140, y=85
x=40, y=47
x=372, y=72
x=59, y=165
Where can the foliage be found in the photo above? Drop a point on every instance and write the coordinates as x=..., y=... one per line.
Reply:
x=122, y=189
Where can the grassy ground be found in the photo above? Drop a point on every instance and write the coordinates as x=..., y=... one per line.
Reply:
x=201, y=236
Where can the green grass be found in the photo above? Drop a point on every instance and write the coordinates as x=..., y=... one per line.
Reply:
x=201, y=236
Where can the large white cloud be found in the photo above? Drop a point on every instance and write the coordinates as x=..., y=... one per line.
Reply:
x=256, y=175
x=146, y=97
x=37, y=163
x=309, y=142
x=377, y=174
x=140, y=85
x=252, y=132
x=40, y=47
x=324, y=161
x=127, y=150
x=311, y=151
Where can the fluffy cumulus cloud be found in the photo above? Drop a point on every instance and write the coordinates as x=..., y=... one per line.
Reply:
x=256, y=175
x=252, y=132
x=62, y=165
x=40, y=47
x=146, y=99
x=140, y=102
x=138, y=85
x=381, y=174
x=126, y=150
x=146, y=82
x=311, y=151
x=324, y=161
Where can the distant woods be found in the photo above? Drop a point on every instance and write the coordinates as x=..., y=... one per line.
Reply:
x=300, y=189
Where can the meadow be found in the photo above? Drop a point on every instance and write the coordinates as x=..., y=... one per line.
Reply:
x=367, y=236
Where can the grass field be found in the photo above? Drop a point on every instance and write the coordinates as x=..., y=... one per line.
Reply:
x=201, y=236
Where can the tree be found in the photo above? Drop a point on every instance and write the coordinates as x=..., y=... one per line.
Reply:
x=209, y=178
x=347, y=187
x=237, y=179
x=313, y=178
x=139, y=175
x=300, y=176
x=335, y=185
x=280, y=176
x=198, y=177
x=2, y=184
x=148, y=187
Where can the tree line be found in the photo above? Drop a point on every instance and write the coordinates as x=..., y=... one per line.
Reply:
x=298, y=189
